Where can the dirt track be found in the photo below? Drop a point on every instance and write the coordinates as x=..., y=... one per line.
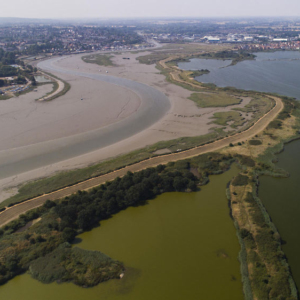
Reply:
x=13, y=212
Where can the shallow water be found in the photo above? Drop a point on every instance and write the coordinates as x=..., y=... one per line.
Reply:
x=178, y=246
x=275, y=72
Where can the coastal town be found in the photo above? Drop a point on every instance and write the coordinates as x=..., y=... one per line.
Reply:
x=34, y=38
x=61, y=40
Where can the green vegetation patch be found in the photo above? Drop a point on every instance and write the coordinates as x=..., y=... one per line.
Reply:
x=246, y=160
x=6, y=71
x=99, y=59
x=240, y=180
x=5, y=97
x=255, y=142
x=198, y=73
x=224, y=118
x=290, y=105
x=221, y=99
x=276, y=124
x=235, y=56
x=82, y=267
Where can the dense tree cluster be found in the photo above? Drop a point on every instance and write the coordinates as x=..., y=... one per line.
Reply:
x=236, y=56
x=7, y=71
x=7, y=58
x=85, y=209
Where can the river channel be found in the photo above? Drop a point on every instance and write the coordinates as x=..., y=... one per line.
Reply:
x=178, y=246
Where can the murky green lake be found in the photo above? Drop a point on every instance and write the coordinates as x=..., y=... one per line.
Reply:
x=281, y=198
x=178, y=246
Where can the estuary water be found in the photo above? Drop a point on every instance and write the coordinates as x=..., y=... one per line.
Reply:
x=178, y=246
x=275, y=72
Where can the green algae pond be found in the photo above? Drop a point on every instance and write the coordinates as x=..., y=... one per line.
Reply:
x=281, y=198
x=177, y=246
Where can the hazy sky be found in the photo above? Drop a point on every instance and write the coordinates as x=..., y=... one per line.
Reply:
x=147, y=8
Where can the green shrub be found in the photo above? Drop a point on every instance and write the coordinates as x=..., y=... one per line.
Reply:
x=255, y=142
x=240, y=180
x=75, y=264
x=276, y=124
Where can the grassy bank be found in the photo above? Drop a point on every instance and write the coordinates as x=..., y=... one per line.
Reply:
x=99, y=59
x=220, y=99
